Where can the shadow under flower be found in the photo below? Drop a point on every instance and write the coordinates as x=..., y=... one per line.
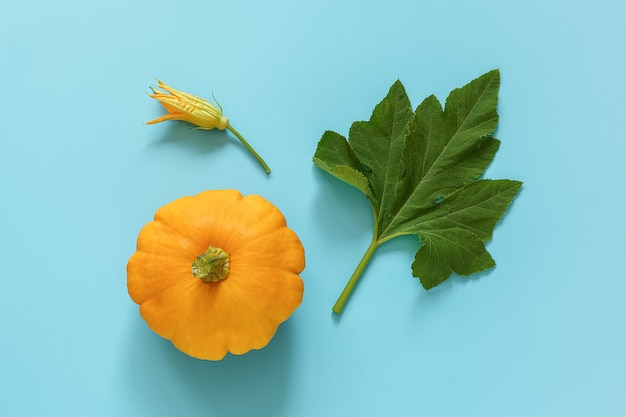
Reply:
x=184, y=136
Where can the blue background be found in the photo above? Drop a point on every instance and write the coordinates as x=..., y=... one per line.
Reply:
x=542, y=334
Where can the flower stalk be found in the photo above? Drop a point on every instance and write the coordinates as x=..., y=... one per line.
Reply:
x=245, y=143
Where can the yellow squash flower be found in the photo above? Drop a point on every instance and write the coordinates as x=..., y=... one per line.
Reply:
x=199, y=112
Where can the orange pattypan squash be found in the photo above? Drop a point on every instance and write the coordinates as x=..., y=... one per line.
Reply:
x=217, y=273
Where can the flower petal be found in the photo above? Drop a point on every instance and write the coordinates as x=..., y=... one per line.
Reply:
x=168, y=116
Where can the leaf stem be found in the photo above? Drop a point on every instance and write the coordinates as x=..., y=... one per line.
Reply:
x=249, y=148
x=345, y=294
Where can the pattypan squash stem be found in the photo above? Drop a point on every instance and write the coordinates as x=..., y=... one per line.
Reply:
x=249, y=148
x=345, y=294
x=212, y=266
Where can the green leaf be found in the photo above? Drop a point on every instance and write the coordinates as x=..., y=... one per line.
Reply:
x=378, y=145
x=336, y=157
x=449, y=250
x=446, y=149
x=454, y=232
x=475, y=207
x=421, y=173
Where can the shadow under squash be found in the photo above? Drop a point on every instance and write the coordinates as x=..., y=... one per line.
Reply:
x=165, y=382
